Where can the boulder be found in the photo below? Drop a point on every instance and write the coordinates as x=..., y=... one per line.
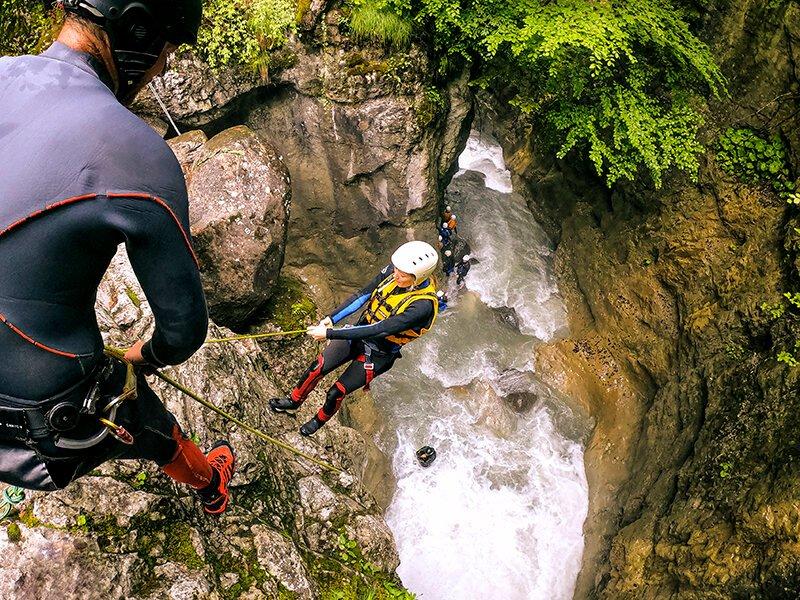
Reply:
x=239, y=198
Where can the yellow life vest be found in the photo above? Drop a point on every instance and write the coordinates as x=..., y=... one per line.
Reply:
x=384, y=304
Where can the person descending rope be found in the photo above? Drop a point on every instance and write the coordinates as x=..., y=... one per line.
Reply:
x=401, y=305
x=82, y=174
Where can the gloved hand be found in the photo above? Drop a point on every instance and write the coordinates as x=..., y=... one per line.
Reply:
x=317, y=332
x=326, y=322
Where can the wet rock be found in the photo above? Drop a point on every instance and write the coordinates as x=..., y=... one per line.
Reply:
x=193, y=93
x=691, y=465
x=280, y=558
x=507, y=317
x=239, y=196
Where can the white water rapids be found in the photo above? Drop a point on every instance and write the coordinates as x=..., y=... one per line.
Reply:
x=499, y=514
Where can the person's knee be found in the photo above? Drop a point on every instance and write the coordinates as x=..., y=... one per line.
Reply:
x=333, y=399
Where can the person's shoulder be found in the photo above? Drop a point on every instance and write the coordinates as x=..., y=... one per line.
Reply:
x=130, y=141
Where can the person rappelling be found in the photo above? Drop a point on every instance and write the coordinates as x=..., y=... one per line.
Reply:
x=81, y=175
x=401, y=305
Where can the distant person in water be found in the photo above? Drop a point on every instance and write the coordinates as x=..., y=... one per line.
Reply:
x=462, y=269
x=442, y=301
x=401, y=305
x=448, y=262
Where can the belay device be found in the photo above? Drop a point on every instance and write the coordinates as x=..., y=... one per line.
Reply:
x=426, y=455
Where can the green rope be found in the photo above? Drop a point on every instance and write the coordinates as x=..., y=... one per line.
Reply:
x=260, y=434
x=12, y=496
x=254, y=336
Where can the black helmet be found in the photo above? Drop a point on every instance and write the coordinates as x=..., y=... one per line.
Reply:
x=138, y=30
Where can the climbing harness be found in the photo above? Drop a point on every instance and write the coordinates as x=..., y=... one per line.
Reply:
x=12, y=496
x=260, y=434
x=110, y=410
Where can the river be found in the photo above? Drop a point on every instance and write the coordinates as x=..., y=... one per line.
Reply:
x=500, y=512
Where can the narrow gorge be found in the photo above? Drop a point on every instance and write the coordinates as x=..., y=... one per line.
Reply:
x=612, y=393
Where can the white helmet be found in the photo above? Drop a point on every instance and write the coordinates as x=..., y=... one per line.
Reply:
x=466, y=258
x=416, y=258
x=448, y=253
x=447, y=208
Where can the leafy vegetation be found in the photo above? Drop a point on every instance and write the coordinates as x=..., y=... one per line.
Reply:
x=368, y=582
x=622, y=81
x=25, y=27
x=782, y=310
x=241, y=32
x=755, y=159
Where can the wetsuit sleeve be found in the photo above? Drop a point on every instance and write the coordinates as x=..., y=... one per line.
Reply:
x=417, y=315
x=358, y=299
x=162, y=258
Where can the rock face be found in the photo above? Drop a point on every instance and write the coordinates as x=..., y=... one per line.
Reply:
x=692, y=466
x=369, y=139
x=127, y=531
x=239, y=194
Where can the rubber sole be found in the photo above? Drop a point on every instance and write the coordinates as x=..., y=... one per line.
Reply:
x=217, y=512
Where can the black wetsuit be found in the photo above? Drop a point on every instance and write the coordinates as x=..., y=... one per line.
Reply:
x=360, y=344
x=80, y=175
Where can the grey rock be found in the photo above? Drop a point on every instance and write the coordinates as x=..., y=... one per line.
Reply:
x=239, y=198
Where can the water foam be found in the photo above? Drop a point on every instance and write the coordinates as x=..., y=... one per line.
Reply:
x=500, y=512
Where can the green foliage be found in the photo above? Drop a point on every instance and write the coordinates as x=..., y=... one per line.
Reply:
x=375, y=20
x=773, y=311
x=778, y=310
x=430, y=106
x=725, y=470
x=368, y=582
x=139, y=480
x=241, y=32
x=754, y=159
x=620, y=80
x=788, y=358
x=25, y=27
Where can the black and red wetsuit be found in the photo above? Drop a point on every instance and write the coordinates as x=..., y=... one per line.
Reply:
x=81, y=175
x=354, y=344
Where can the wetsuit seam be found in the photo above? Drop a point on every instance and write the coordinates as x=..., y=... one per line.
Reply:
x=40, y=345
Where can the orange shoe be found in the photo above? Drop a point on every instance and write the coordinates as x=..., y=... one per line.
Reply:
x=215, y=495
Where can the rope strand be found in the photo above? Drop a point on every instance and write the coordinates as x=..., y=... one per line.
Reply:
x=118, y=353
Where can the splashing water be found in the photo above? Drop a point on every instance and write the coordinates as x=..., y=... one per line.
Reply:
x=500, y=512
